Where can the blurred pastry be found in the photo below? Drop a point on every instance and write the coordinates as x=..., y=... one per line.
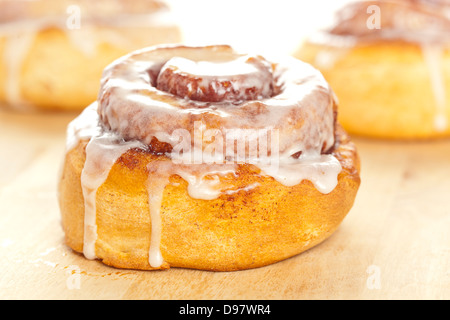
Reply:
x=389, y=64
x=206, y=158
x=53, y=52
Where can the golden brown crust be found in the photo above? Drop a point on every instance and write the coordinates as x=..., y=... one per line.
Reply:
x=384, y=88
x=241, y=230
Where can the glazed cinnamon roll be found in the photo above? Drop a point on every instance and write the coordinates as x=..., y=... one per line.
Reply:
x=206, y=158
x=389, y=63
x=53, y=52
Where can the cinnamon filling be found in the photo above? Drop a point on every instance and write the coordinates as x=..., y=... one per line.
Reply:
x=242, y=79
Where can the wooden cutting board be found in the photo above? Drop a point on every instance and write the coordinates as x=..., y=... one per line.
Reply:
x=394, y=244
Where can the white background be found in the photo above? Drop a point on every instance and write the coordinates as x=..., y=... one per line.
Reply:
x=262, y=26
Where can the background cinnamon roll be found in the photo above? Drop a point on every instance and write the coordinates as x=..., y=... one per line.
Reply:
x=389, y=63
x=206, y=158
x=54, y=51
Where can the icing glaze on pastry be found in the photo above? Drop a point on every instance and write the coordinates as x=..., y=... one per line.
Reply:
x=245, y=93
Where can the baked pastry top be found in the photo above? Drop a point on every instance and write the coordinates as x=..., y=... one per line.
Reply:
x=206, y=158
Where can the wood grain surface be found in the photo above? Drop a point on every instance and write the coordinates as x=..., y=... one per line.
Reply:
x=394, y=244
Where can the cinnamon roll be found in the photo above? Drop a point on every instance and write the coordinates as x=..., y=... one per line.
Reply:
x=53, y=52
x=206, y=158
x=389, y=63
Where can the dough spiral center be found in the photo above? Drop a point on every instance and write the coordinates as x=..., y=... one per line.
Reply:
x=243, y=79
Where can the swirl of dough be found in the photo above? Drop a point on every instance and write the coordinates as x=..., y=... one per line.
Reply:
x=152, y=92
x=243, y=79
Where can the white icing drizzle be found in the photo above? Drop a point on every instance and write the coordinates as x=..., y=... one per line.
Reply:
x=305, y=98
x=198, y=188
x=322, y=171
x=83, y=127
x=105, y=148
x=305, y=101
x=16, y=50
x=155, y=189
x=101, y=153
x=433, y=58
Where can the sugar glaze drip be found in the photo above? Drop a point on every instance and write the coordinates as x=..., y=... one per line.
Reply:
x=133, y=109
x=105, y=148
